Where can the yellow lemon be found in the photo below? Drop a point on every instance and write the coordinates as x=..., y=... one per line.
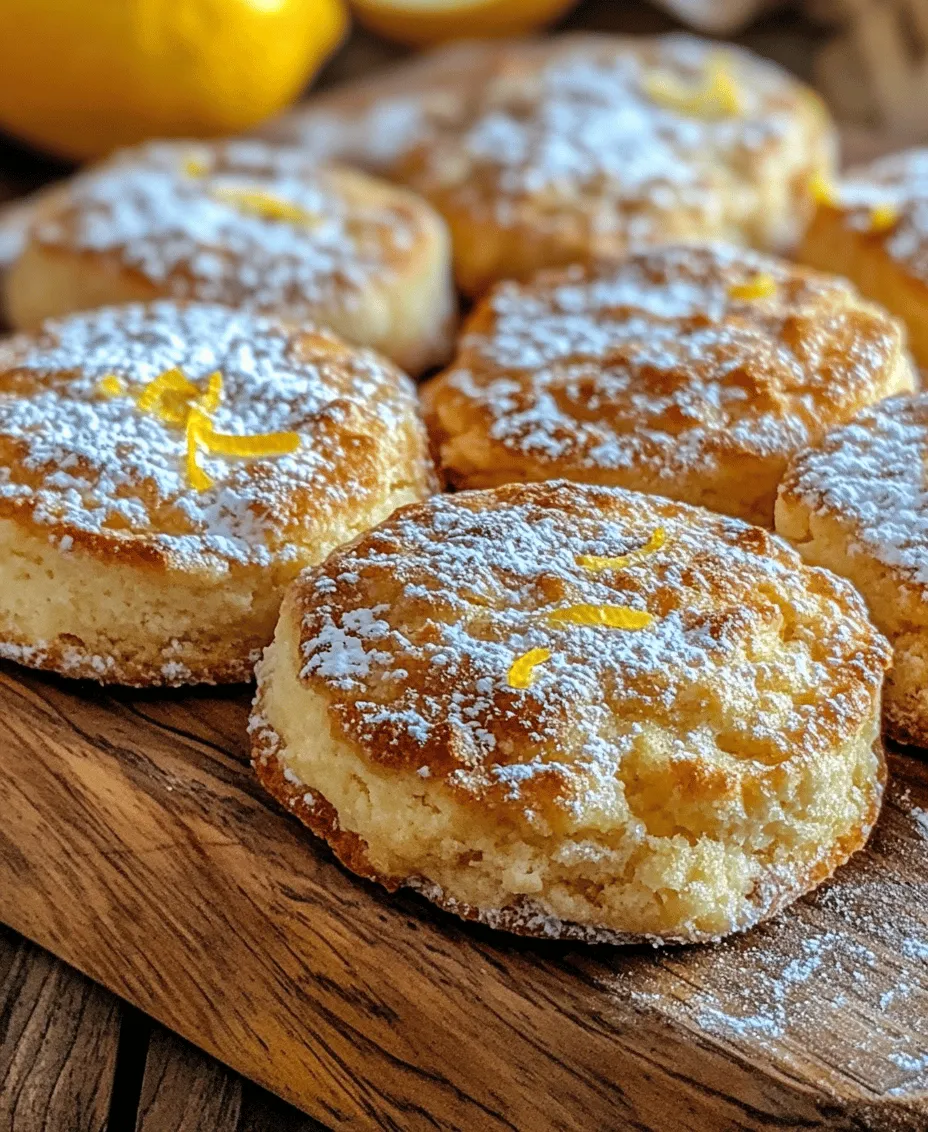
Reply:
x=82, y=77
x=420, y=22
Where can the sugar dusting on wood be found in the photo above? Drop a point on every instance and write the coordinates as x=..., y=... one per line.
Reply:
x=846, y=969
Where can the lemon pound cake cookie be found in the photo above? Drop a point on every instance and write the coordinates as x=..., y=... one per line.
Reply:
x=549, y=152
x=166, y=470
x=692, y=371
x=244, y=224
x=873, y=228
x=857, y=503
x=577, y=712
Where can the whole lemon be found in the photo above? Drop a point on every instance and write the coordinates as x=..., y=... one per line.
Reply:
x=82, y=77
x=424, y=22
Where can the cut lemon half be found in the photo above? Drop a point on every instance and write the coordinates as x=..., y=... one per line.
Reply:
x=422, y=22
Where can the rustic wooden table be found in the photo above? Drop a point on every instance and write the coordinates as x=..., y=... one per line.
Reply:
x=74, y=1057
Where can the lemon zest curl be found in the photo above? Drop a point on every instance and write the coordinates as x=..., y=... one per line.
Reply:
x=176, y=400
x=759, y=286
x=596, y=563
x=522, y=670
x=716, y=95
x=257, y=202
x=111, y=385
x=609, y=616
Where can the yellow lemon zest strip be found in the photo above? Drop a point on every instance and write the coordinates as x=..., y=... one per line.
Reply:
x=209, y=402
x=177, y=401
x=250, y=445
x=596, y=563
x=168, y=396
x=760, y=286
x=256, y=202
x=883, y=217
x=822, y=190
x=723, y=90
x=610, y=616
x=111, y=385
x=195, y=167
x=197, y=423
x=717, y=95
x=522, y=670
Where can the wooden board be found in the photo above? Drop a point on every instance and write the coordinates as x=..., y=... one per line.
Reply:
x=135, y=844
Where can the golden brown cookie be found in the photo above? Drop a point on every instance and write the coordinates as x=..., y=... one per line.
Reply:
x=244, y=224
x=577, y=712
x=166, y=470
x=857, y=504
x=691, y=371
x=872, y=227
x=549, y=152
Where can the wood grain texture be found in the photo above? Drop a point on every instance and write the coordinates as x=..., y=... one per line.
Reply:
x=135, y=844
x=186, y=1091
x=138, y=847
x=58, y=1039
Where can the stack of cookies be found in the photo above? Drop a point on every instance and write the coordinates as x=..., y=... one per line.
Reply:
x=586, y=692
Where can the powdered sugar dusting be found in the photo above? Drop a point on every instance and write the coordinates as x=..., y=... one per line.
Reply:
x=653, y=367
x=871, y=476
x=594, y=119
x=463, y=586
x=843, y=978
x=569, y=122
x=901, y=182
x=81, y=463
x=168, y=210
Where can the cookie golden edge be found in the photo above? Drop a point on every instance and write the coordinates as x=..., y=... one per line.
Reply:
x=766, y=205
x=527, y=917
x=781, y=885
x=99, y=606
x=897, y=605
x=409, y=314
x=743, y=484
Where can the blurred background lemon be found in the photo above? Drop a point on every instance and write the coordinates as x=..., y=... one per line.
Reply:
x=421, y=22
x=79, y=78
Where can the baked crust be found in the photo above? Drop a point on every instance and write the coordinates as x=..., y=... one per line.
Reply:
x=243, y=223
x=739, y=726
x=872, y=227
x=174, y=667
x=114, y=564
x=691, y=371
x=549, y=152
x=526, y=917
x=855, y=504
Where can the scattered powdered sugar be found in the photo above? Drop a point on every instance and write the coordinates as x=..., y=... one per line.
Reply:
x=453, y=592
x=79, y=461
x=188, y=233
x=920, y=816
x=16, y=217
x=68, y=660
x=841, y=980
x=375, y=140
x=871, y=475
x=901, y=182
x=569, y=120
x=653, y=365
